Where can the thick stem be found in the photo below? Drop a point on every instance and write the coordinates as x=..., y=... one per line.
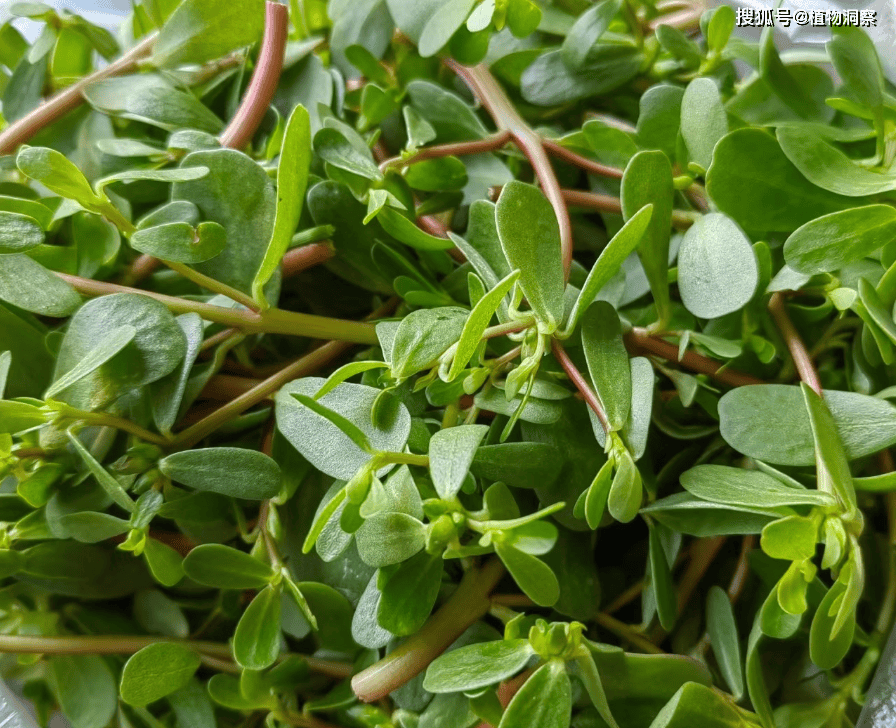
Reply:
x=578, y=379
x=305, y=257
x=101, y=419
x=272, y=321
x=638, y=340
x=589, y=165
x=469, y=602
x=798, y=351
x=264, y=79
x=69, y=99
x=507, y=118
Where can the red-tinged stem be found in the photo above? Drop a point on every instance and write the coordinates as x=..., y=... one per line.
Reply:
x=638, y=340
x=264, y=79
x=578, y=379
x=801, y=359
x=681, y=219
x=589, y=165
x=739, y=580
x=143, y=266
x=301, y=259
x=69, y=99
x=469, y=602
x=507, y=118
x=702, y=555
x=456, y=149
x=226, y=387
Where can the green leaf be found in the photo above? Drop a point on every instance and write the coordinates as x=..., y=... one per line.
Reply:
x=545, y=700
x=168, y=393
x=722, y=628
x=792, y=538
x=591, y=678
x=549, y=81
x=774, y=621
x=164, y=562
x=157, y=349
x=292, y=182
x=409, y=594
x=648, y=180
x=345, y=426
x=152, y=98
x=477, y=322
x=749, y=488
x=477, y=666
x=347, y=371
x=332, y=146
x=400, y=228
x=703, y=119
x=156, y=671
x=519, y=464
x=256, y=642
x=109, y=484
x=626, y=490
x=116, y=340
x=238, y=195
x=451, y=452
x=180, y=242
x=827, y=167
x=829, y=447
x=323, y=444
x=55, y=172
x=85, y=688
x=783, y=435
x=717, y=269
x=608, y=361
x=531, y=574
x=530, y=238
x=779, y=79
x=659, y=119
x=18, y=233
x=855, y=58
x=27, y=284
x=825, y=648
x=432, y=175
x=232, y=471
x=200, y=31
x=836, y=240
x=661, y=580
x=609, y=261
x=749, y=177
x=597, y=494
x=877, y=309
x=223, y=567
x=587, y=30
x=442, y=24
x=696, y=704
x=423, y=336
x=389, y=538
x=159, y=614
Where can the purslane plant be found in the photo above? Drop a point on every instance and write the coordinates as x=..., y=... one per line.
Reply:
x=440, y=364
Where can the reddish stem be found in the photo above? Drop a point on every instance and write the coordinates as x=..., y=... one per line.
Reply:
x=589, y=165
x=507, y=118
x=739, y=580
x=455, y=149
x=69, y=99
x=638, y=340
x=301, y=259
x=264, y=79
x=798, y=351
x=578, y=379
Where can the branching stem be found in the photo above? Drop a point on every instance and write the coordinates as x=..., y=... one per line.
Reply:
x=578, y=379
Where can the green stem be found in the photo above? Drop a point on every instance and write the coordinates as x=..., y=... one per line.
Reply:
x=403, y=458
x=129, y=644
x=210, y=284
x=511, y=327
x=102, y=419
x=469, y=602
x=273, y=321
x=623, y=631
